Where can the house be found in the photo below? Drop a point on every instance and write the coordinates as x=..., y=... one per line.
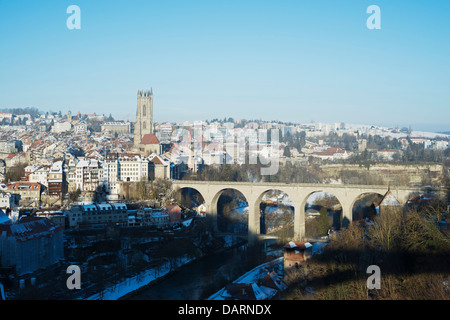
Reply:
x=133, y=220
x=62, y=126
x=420, y=200
x=244, y=291
x=149, y=144
x=81, y=127
x=56, y=180
x=388, y=204
x=57, y=217
x=174, y=212
x=15, y=159
x=18, y=243
x=160, y=219
x=114, y=127
x=159, y=168
x=97, y=215
x=39, y=175
x=271, y=284
x=273, y=281
x=28, y=191
x=295, y=254
x=201, y=210
x=8, y=200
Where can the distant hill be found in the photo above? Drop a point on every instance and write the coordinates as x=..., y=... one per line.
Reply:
x=34, y=112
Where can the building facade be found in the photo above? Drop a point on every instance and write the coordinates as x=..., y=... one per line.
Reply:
x=116, y=127
x=144, y=116
x=31, y=244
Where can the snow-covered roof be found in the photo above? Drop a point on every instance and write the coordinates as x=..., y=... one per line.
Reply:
x=104, y=206
x=120, y=206
x=389, y=200
x=299, y=245
x=89, y=207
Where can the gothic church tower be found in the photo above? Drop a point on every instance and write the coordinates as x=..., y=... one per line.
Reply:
x=144, y=116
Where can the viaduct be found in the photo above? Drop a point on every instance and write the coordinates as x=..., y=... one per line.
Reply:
x=299, y=193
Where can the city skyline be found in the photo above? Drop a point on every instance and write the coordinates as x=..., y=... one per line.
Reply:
x=289, y=61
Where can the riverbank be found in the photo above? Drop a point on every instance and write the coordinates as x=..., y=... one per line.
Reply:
x=132, y=286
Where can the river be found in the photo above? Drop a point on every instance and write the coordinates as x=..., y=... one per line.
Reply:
x=201, y=278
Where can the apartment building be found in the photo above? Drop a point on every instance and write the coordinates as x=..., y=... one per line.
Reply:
x=92, y=215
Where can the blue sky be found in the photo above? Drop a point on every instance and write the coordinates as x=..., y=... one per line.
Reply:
x=298, y=61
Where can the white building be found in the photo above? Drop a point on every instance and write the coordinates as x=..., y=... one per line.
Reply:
x=97, y=214
x=88, y=174
x=8, y=200
x=40, y=175
x=59, y=127
x=119, y=168
x=80, y=128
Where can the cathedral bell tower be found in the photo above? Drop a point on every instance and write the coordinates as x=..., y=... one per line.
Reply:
x=144, y=115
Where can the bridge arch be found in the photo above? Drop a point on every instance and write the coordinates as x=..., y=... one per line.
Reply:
x=260, y=208
x=366, y=199
x=188, y=197
x=217, y=209
x=312, y=205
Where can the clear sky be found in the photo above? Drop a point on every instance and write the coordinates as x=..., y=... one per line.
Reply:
x=298, y=60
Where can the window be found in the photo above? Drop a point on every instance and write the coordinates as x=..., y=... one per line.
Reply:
x=144, y=112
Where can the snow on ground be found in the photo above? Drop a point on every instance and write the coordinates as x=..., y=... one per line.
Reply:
x=131, y=284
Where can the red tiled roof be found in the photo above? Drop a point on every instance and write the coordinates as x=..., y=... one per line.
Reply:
x=156, y=160
x=36, y=143
x=330, y=151
x=149, y=139
x=19, y=186
x=171, y=208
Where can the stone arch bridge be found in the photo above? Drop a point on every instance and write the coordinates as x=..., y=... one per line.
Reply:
x=299, y=193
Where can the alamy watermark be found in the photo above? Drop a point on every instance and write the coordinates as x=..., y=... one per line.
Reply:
x=232, y=146
x=374, y=280
x=73, y=22
x=374, y=20
x=74, y=281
